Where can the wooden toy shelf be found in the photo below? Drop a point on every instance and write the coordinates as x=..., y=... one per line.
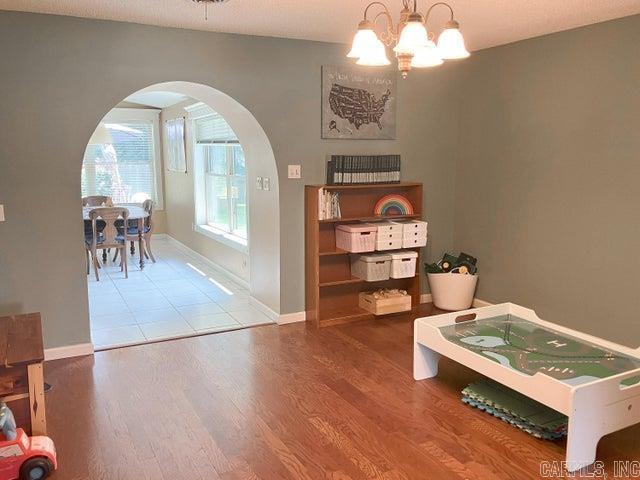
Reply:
x=331, y=292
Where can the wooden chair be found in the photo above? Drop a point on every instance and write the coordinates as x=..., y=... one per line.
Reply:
x=132, y=232
x=108, y=237
x=97, y=201
x=148, y=229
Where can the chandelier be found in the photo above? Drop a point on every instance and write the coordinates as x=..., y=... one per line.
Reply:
x=413, y=45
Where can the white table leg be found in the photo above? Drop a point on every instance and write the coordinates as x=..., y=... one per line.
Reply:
x=583, y=436
x=425, y=362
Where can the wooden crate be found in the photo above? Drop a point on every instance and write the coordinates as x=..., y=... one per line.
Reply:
x=384, y=306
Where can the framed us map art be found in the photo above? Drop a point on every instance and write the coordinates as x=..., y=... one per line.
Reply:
x=358, y=104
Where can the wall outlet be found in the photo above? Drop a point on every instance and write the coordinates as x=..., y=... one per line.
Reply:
x=295, y=171
x=266, y=184
x=259, y=183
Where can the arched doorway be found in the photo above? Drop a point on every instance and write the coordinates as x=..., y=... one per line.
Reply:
x=263, y=208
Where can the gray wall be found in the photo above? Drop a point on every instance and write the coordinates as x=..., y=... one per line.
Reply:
x=61, y=75
x=547, y=179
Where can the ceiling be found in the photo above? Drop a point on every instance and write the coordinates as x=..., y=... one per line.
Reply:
x=485, y=23
x=156, y=99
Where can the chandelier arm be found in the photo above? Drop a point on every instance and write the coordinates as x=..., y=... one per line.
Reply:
x=389, y=36
x=435, y=5
x=384, y=7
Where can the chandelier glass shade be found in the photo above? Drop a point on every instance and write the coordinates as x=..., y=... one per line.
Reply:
x=364, y=40
x=374, y=56
x=427, y=56
x=412, y=43
x=412, y=37
x=451, y=44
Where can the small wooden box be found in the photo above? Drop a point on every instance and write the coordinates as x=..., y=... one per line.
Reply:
x=384, y=306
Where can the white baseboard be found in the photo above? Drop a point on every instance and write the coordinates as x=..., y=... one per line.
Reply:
x=264, y=309
x=240, y=281
x=477, y=303
x=77, y=350
x=296, y=317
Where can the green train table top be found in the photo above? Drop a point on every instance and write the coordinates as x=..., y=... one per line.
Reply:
x=594, y=382
x=530, y=347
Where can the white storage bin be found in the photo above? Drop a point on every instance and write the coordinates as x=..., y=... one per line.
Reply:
x=371, y=268
x=386, y=227
x=403, y=264
x=358, y=237
x=411, y=241
x=389, y=244
x=412, y=226
x=452, y=291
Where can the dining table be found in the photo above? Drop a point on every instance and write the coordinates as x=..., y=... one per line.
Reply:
x=136, y=213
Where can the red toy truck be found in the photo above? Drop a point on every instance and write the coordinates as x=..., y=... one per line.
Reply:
x=23, y=457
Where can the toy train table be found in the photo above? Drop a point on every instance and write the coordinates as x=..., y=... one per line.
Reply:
x=594, y=382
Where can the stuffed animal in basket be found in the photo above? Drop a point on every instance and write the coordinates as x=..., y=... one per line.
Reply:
x=23, y=457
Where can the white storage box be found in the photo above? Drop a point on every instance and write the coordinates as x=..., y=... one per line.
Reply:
x=403, y=264
x=371, y=268
x=358, y=237
x=412, y=226
x=410, y=241
x=386, y=227
x=414, y=233
x=389, y=244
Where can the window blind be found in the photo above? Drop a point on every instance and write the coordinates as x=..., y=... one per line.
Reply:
x=213, y=128
x=123, y=167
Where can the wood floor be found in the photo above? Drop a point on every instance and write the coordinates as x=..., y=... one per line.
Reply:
x=288, y=402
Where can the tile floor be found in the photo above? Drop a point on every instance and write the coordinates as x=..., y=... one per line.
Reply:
x=178, y=296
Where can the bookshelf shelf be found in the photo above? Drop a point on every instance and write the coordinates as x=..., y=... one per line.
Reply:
x=338, y=251
x=369, y=186
x=371, y=218
x=331, y=292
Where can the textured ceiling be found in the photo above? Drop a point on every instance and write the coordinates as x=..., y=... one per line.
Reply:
x=485, y=23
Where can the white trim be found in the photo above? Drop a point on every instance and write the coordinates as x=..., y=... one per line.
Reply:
x=215, y=266
x=426, y=298
x=296, y=317
x=77, y=350
x=477, y=303
x=223, y=237
x=264, y=309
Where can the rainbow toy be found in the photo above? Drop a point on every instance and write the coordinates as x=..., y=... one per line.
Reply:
x=393, y=205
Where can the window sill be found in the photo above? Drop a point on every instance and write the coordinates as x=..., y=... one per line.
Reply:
x=223, y=237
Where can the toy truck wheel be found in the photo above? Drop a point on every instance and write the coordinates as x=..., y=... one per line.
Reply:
x=37, y=468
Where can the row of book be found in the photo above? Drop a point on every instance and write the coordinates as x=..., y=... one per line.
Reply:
x=328, y=205
x=355, y=169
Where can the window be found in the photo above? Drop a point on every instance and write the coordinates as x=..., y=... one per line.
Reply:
x=175, y=154
x=221, y=178
x=121, y=160
x=225, y=187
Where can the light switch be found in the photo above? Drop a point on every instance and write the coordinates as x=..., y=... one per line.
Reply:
x=259, y=183
x=295, y=171
x=1, y=213
x=266, y=184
